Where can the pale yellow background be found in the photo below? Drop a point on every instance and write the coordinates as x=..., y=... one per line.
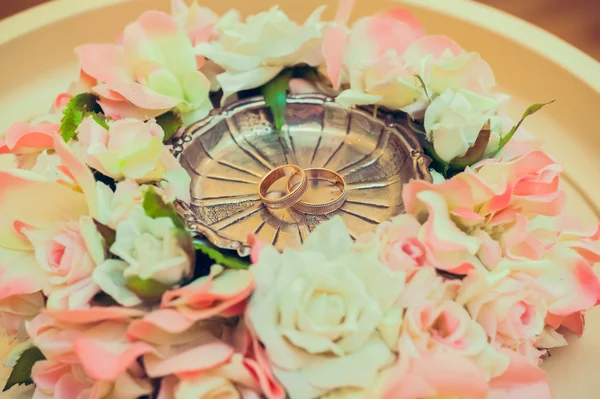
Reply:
x=37, y=61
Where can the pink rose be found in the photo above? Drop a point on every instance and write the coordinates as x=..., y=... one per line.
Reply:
x=30, y=201
x=510, y=307
x=225, y=293
x=203, y=359
x=576, y=283
x=522, y=380
x=54, y=379
x=68, y=253
x=27, y=141
x=211, y=370
x=397, y=244
x=482, y=215
x=151, y=71
x=94, y=338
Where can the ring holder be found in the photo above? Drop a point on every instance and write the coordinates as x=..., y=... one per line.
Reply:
x=228, y=153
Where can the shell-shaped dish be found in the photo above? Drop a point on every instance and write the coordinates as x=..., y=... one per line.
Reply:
x=228, y=153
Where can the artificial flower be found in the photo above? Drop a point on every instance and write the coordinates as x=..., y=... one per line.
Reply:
x=68, y=253
x=204, y=358
x=224, y=293
x=255, y=51
x=26, y=141
x=152, y=71
x=383, y=82
x=510, y=307
x=199, y=22
x=55, y=380
x=396, y=244
x=440, y=346
x=87, y=353
x=369, y=58
x=15, y=309
x=454, y=120
x=24, y=209
x=149, y=249
x=95, y=338
x=131, y=149
x=317, y=310
x=480, y=215
x=443, y=65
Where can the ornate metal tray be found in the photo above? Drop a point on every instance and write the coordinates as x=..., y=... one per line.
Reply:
x=229, y=152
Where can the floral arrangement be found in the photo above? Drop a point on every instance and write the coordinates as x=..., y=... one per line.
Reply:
x=106, y=295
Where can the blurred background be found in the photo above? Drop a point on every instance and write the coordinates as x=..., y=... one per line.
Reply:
x=576, y=21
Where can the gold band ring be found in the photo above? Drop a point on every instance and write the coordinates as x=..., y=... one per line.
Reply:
x=293, y=196
x=321, y=208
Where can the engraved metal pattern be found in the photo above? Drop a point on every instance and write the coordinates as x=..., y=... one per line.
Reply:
x=228, y=153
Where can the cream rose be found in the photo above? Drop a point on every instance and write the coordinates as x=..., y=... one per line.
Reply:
x=454, y=119
x=68, y=253
x=128, y=194
x=255, y=51
x=317, y=311
x=383, y=81
x=443, y=65
x=149, y=249
x=198, y=22
x=131, y=149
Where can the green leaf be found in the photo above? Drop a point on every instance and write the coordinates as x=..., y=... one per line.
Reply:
x=155, y=207
x=21, y=373
x=223, y=257
x=171, y=122
x=424, y=86
x=146, y=289
x=528, y=112
x=100, y=119
x=78, y=108
x=475, y=152
x=275, y=93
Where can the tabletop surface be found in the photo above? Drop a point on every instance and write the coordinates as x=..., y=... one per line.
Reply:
x=576, y=21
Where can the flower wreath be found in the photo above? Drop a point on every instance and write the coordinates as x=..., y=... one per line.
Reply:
x=109, y=296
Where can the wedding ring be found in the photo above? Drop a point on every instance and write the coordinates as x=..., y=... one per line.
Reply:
x=327, y=206
x=293, y=196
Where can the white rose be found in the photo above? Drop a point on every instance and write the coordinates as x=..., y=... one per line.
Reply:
x=254, y=52
x=317, y=311
x=443, y=65
x=454, y=119
x=383, y=81
x=149, y=249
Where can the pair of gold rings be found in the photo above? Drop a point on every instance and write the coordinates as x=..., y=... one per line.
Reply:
x=298, y=183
